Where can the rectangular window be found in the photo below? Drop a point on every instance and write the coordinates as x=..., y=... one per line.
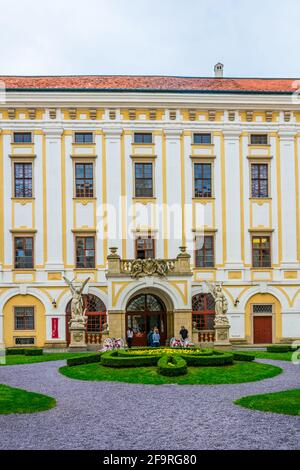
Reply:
x=259, y=180
x=143, y=179
x=202, y=179
x=85, y=252
x=22, y=137
x=259, y=139
x=145, y=248
x=23, y=179
x=24, y=318
x=84, y=180
x=202, y=138
x=205, y=252
x=84, y=138
x=24, y=253
x=261, y=252
x=142, y=138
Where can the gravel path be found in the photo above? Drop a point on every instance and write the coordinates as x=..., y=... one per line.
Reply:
x=111, y=415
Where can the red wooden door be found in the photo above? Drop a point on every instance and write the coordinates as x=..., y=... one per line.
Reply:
x=262, y=329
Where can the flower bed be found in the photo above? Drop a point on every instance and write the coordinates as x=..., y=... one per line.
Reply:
x=152, y=357
x=165, y=350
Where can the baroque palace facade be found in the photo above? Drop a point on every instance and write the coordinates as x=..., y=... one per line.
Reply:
x=197, y=176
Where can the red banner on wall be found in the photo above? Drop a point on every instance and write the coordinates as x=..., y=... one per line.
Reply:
x=55, y=328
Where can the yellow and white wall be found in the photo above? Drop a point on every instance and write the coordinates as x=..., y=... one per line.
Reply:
x=54, y=216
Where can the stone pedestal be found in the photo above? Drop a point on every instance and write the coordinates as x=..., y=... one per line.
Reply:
x=77, y=338
x=183, y=318
x=222, y=336
x=117, y=327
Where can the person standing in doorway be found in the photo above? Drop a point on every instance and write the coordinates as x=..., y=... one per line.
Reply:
x=129, y=337
x=184, y=334
x=150, y=338
x=156, y=338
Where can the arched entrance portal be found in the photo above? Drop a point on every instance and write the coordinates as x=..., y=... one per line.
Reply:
x=143, y=312
x=263, y=319
x=97, y=317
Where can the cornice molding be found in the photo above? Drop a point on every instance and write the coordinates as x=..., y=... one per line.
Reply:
x=230, y=101
x=287, y=134
x=173, y=133
x=231, y=133
x=53, y=132
x=112, y=132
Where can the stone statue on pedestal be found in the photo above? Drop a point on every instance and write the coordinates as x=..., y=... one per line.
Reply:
x=221, y=320
x=78, y=321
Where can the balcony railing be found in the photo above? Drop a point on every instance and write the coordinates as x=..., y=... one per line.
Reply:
x=206, y=336
x=137, y=268
x=93, y=337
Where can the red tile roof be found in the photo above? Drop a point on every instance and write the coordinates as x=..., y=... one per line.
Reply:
x=149, y=83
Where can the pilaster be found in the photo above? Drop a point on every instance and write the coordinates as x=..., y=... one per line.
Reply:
x=55, y=198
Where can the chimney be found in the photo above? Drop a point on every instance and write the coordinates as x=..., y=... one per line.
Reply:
x=219, y=70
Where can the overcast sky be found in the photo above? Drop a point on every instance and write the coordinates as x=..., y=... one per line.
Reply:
x=164, y=37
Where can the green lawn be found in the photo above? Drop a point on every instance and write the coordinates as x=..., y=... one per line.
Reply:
x=287, y=402
x=20, y=359
x=16, y=400
x=285, y=356
x=236, y=373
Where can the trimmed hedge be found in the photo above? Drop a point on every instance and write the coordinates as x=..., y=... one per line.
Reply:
x=172, y=365
x=88, y=359
x=242, y=356
x=34, y=352
x=24, y=351
x=114, y=359
x=122, y=358
x=15, y=351
x=279, y=348
x=215, y=359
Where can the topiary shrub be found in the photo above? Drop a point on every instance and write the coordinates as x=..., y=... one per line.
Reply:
x=15, y=351
x=88, y=359
x=34, y=352
x=215, y=359
x=172, y=365
x=115, y=359
x=242, y=356
x=279, y=348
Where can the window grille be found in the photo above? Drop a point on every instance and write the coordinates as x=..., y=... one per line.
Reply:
x=262, y=308
x=24, y=341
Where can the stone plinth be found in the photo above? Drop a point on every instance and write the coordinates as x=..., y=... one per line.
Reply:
x=222, y=336
x=77, y=338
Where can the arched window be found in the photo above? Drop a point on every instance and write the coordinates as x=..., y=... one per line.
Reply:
x=145, y=302
x=203, y=306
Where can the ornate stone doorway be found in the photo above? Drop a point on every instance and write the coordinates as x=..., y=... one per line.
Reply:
x=143, y=312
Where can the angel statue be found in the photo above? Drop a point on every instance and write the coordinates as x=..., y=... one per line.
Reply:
x=77, y=312
x=221, y=303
